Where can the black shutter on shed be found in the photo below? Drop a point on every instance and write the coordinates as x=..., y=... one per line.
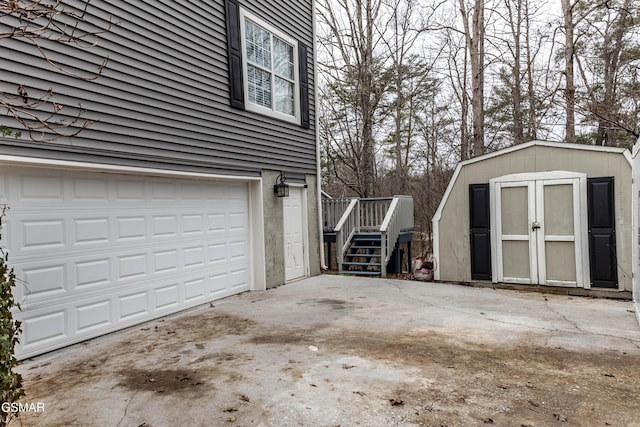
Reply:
x=304, y=85
x=480, y=231
x=602, y=232
x=234, y=49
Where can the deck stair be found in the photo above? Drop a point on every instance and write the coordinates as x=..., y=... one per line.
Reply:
x=363, y=256
x=367, y=233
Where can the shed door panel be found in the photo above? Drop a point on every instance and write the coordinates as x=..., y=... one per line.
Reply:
x=538, y=232
x=558, y=204
x=99, y=252
x=516, y=244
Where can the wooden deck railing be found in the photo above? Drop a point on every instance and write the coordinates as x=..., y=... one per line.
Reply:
x=399, y=217
x=388, y=216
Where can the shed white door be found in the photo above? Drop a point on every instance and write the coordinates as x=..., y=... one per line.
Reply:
x=98, y=252
x=540, y=232
x=294, y=249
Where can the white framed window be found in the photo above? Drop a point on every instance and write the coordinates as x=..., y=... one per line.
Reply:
x=270, y=61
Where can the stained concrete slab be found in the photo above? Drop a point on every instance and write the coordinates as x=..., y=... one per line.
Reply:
x=333, y=350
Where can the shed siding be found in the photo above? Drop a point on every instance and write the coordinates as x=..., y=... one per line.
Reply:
x=164, y=96
x=454, y=257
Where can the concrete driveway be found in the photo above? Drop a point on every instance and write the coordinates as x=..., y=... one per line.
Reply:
x=344, y=351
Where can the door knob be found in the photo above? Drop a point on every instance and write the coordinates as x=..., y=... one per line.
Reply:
x=535, y=225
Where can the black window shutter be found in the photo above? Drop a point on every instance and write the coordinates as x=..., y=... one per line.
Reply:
x=480, y=231
x=304, y=85
x=234, y=49
x=602, y=232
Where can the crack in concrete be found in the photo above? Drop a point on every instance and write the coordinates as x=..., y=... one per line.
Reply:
x=566, y=319
x=634, y=342
x=468, y=312
x=126, y=408
x=581, y=331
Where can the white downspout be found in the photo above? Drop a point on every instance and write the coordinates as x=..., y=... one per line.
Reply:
x=323, y=266
x=635, y=226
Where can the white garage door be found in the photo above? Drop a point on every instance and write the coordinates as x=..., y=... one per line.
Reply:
x=98, y=252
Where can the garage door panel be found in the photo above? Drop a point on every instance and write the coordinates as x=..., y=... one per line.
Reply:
x=194, y=290
x=133, y=305
x=192, y=224
x=129, y=191
x=229, y=283
x=38, y=187
x=132, y=266
x=237, y=222
x=239, y=280
x=90, y=189
x=130, y=228
x=166, y=297
x=189, y=191
x=99, y=252
x=41, y=329
x=193, y=257
x=164, y=226
x=165, y=261
x=90, y=274
x=218, y=193
x=163, y=191
x=46, y=281
x=238, y=251
x=218, y=253
x=216, y=223
x=92, y=316
x=91, y=231
x=41, y=234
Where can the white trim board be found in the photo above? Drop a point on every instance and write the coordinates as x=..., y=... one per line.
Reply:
x=99, y=167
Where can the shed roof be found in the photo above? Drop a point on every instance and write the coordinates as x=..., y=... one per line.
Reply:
x=506, y=151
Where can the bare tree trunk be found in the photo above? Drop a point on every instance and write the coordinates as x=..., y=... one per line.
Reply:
x=366, y=54
x=465, y=151
x=532, y=122
x=398, y=60
x=358, y=84
x=570, y=89
x=475, y=43
x=408, y=91
x=518, y=134
x=611, y=51
x=477, y=72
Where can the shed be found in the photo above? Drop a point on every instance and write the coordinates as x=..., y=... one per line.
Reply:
x=541, y=214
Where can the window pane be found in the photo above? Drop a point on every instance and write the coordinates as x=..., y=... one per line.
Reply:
x=258, y=44
x=259, y=86
x=284, y=96
x=283, y=58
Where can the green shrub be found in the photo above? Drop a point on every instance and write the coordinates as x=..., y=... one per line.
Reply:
x=10, y=381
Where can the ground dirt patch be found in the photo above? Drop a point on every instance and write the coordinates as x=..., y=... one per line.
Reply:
x=162, y=344
x=161, y=381
x=457, y=382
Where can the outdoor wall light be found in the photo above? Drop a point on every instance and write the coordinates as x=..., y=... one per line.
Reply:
x=281, y=189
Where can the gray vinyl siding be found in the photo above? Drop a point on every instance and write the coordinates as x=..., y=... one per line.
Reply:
x=164, y=96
